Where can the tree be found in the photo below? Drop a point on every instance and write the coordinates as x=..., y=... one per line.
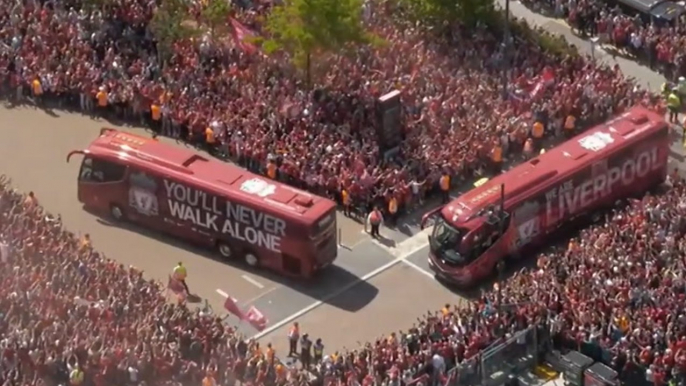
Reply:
x=307, y=27
x=443, y=13
x=216, y=14
x=169, y=25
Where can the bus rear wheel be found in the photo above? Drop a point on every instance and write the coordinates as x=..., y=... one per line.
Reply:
x=225, y=250
x=116, y=212
x=251, y=259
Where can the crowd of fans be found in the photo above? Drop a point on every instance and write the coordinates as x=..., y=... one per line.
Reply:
x=455, y=108
x=69, y=314
x=657, y=41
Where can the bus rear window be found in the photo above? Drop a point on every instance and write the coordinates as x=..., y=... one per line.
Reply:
x=323, y=223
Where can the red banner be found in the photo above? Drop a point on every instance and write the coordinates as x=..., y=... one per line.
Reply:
x=232, y=307
x=256, y=318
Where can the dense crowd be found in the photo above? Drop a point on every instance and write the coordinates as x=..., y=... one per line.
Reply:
x=321, y=138
x=658, y=42
x=69, y=314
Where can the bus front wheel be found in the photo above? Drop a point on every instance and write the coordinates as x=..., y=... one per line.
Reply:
x=116, y=212
x=225, y=250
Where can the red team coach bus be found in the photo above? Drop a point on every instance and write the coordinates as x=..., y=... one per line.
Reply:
x=208, y=202
x=520, y=208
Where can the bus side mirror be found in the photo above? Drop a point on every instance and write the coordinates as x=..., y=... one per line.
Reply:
x=71, y=153
x=429, y=216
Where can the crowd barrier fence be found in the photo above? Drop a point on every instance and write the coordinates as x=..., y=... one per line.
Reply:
x=492, y=366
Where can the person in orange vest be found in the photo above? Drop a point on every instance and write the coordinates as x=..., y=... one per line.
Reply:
x=537, y=132
x=345, y=198
x=392, y=209
x=210, y=140
x=375, y=219
x=37, y=90
x=444, y=183
x=293, y=336
x=272, y=170
x=497, y=158
x=101, y=97
x=156, y=116
x=570, y=126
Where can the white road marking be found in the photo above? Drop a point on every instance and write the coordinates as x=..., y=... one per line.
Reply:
x=260, y=296
x=407, y=248
x=419, y=269
x=222, y=293
x=253, y=281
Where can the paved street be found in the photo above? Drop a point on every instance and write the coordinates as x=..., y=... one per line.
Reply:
x=374, y=288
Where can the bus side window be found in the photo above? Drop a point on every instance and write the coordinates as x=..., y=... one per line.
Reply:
x=106, y=171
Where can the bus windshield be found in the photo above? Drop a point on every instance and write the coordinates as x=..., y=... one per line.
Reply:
x=445, y=242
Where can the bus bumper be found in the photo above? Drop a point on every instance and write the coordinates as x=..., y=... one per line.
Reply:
x=454, y=278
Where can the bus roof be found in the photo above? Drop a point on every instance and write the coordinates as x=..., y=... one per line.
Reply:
x=207, y=173
x=622, y=131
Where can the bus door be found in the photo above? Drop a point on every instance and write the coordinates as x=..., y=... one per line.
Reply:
x=100, y=182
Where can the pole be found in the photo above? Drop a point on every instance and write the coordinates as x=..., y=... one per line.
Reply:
x=506, y=48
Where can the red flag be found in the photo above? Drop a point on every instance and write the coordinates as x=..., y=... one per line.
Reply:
x=256, y=318
x=546, y=78
x=231, y=306
x=240, y=33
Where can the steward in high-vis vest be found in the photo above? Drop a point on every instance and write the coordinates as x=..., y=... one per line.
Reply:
x=318, y=351
x=272, y=170
x=392, y=209
x=537, y=132
x=345, y=200
x=179, y=274
x=375, y=219
x=570, y=126
x=293, y=336
x=76, y=376
x=444, y=184
x=674, y=105
x=497, y=158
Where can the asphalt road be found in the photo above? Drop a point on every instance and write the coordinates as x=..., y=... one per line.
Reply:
x=374, y=288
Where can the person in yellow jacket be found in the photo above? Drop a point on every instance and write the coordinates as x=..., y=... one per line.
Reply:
x=179, y=274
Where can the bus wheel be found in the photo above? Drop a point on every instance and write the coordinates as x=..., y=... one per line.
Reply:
x=225, y=250
x=251, y=259
x=116, y=212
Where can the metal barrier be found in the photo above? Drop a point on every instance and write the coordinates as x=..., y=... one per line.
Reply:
x=516, y=354
x=493, y=365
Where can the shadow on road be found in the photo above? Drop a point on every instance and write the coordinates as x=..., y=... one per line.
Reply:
x=328, y=282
